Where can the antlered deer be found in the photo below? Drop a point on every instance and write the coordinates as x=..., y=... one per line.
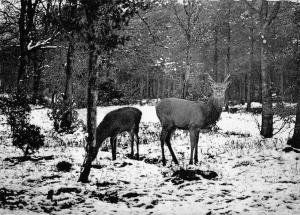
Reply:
x=176, y=113
x=116, y=122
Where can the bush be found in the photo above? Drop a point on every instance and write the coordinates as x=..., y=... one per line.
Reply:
x=63, y=114
x=28, y=138
x=25, y=136
x=108, y=93
x=16, y=108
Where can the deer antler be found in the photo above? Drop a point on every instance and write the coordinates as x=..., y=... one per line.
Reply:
x=227, y=77
x=210, y=79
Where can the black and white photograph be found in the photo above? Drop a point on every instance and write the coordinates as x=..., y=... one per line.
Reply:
x=151, y=107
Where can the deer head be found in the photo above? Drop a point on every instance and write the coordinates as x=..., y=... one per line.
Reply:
x=218, y=89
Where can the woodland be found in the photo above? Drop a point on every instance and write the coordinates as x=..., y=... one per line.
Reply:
x=64, y=64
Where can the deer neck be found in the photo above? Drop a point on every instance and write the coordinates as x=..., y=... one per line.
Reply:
x=214, y=108
x=100, y=135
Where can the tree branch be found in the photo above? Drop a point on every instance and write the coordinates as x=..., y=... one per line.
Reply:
x=11, y=4
x=150, y=31
x=251, y=7
x=41, y=44
x=274, y=13
x=178, y=18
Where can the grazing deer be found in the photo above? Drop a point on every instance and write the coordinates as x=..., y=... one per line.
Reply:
x=188, y=115
x=116, y=122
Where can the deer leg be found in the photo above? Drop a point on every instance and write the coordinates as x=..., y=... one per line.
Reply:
x=113, y=142
x=163, y=135
x=196, y=147
x=132, y=143
x=193, y=140
x=137, y=146
x=169, y=146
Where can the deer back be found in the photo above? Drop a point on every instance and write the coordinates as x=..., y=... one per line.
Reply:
x=181, y=113
x=117, y=121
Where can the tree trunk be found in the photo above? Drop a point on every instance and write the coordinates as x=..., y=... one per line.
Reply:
x=188, y=67
x=163, y=87
x=174, y=87
x=265, y=23
x=158, y=87
x=69, y=70
x=147, y=85
x=215, y=66
x=36, y=81
x=228, y=54
x=250, y=64
x=152, y=87
x=168, y=87
x=295, y=140
x=241, y=90
x=66, y=120
x=259, y=70
x=92, y=149
x=23, y=49
x=141, y=87
x=282, y=83
x=267, y=112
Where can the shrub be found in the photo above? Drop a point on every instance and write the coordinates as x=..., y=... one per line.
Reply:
x=108, y=93
x=28, y=138
x=63, y=114
x=25, y=136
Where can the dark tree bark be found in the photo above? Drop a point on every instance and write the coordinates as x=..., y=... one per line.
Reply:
x=141, y=87
x=37, y=70
x=295, y=140
x=265, y=19
x=168, y=87
x=267, y=111
x=66, y=121
x=23, y=41
x=228, y=52
x=163, y=87
x=174, y=88
x=215, y=66
x=282, y=83
x=91, y=113
x=92, y=92
x=187, y=23
x=147, y=85
x=241, y=86
x=26, y=23
x=186, y=79
x=249, y=75
x=158, y=87
x=69, y=70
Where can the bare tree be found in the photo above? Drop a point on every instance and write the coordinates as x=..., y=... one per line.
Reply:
x=265, y=21
x=187, y=22
x=295, y=140
x=103, y=19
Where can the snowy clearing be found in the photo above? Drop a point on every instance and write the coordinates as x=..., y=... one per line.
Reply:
x=252, y=175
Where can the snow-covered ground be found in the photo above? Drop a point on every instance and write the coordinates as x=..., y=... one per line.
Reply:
x=253, y=175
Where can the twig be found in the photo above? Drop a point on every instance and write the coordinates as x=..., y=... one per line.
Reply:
x=150, y=31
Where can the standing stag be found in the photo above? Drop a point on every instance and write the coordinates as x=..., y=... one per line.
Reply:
x=176, y=113
x=115, y=122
